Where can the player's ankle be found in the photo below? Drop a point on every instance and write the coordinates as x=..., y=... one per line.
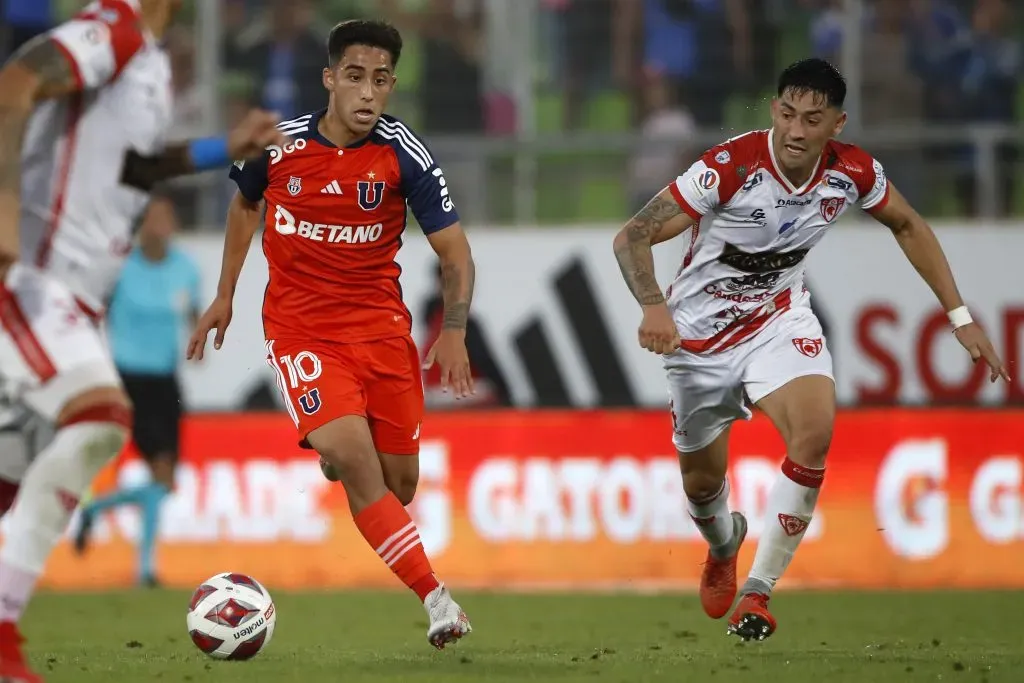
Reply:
x=756, y=585
x=425, y=586
x=723, y=551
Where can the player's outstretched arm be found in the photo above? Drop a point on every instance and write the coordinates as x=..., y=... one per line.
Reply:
x=458, y=277
x=248, y=140
x=243, y=221
x=922, y=248
x=660, y=220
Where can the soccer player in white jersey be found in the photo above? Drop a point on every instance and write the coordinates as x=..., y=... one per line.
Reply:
x=736, y=324
x=83, y=113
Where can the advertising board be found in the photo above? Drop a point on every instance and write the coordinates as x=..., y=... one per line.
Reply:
x=912, y=499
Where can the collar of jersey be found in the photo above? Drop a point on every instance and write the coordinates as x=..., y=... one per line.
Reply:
x=782, y=176
x=314, y=132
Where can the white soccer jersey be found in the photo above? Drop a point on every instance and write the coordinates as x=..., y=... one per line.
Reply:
x=77, y=218
x=744, y=264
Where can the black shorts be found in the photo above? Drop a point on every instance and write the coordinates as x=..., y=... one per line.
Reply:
x=157, y=423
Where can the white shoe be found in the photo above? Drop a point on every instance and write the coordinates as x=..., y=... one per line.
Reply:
x=448, y=622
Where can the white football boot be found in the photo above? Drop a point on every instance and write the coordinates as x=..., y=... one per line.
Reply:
x=448, y=622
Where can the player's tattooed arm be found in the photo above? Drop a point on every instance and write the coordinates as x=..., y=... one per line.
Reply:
x=660, y=220
x=38, y=70
x=12, y=132
x=144, y=172
x=458, y=275
x=457, y=291
x=44, y=70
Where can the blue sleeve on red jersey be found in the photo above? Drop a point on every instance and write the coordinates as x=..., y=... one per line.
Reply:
x=251, y=177
x=423, y=183
x=428, y=198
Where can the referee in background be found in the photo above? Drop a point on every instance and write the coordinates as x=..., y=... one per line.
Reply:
x=154, y=306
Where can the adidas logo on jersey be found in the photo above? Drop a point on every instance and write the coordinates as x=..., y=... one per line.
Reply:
x=332, y=188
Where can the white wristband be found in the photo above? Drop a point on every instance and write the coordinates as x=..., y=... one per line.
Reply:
x=959, y=317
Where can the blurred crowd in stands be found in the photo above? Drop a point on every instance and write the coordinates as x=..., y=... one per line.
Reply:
x=656, y=67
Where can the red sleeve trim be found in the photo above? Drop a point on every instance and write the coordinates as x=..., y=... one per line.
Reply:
x=79, y=82
x=740, y=152
x=858, y=165
x=683, y=204
x=883, y=203
x=126, y=40
x=125, y=35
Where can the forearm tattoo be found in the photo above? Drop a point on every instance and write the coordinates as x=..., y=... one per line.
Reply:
x=457, y=282
x=12, y=132
x=55, y=75
x=43, y=57
x=636, y=260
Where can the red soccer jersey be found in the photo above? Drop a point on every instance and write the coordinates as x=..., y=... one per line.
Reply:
x=333, y=225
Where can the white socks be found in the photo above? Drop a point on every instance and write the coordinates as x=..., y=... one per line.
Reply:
x=17, y=587
x=49, y=494
x=713, y=519
x=790, y=506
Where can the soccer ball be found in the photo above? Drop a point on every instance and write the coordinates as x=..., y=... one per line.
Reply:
x=231, y=616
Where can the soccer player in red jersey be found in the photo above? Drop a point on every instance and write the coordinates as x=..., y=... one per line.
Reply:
x=337, y=331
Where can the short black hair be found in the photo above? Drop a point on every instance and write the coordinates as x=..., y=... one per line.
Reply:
x=814, y=76
x=372, y=33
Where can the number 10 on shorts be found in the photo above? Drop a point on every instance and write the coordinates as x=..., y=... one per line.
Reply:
x=301, y=370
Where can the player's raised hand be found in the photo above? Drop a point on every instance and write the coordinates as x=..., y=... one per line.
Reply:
x=217, y=317
x=452, y=358
x=257, y=131
x=658, y=331
x=974, y=339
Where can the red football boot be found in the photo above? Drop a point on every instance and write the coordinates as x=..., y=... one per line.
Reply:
x=13, y=667
x=751, y=619
x=718, y=580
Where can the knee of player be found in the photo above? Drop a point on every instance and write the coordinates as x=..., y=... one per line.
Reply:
x=106, y=425
x=404, y=490
x=702, y=484
x=401, y=474
x=809, y=445
x=348, y=463
x=99, y=404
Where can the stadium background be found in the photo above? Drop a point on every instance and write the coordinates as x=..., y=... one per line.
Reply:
x=553, y=120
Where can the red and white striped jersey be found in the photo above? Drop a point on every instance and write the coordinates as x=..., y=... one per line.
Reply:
x=744, y=261
x=77, y=217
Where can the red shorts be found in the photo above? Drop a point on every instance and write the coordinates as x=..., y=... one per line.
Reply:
x=378, y=380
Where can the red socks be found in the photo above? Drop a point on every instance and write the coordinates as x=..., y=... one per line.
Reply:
x=390, y=531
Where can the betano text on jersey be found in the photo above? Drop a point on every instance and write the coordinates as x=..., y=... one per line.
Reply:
x=334, y=224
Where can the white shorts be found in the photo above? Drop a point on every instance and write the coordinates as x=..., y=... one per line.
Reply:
x=708, y=391
x=50, y=352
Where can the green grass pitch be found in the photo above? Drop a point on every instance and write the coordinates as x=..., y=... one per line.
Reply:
x=622, y=638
